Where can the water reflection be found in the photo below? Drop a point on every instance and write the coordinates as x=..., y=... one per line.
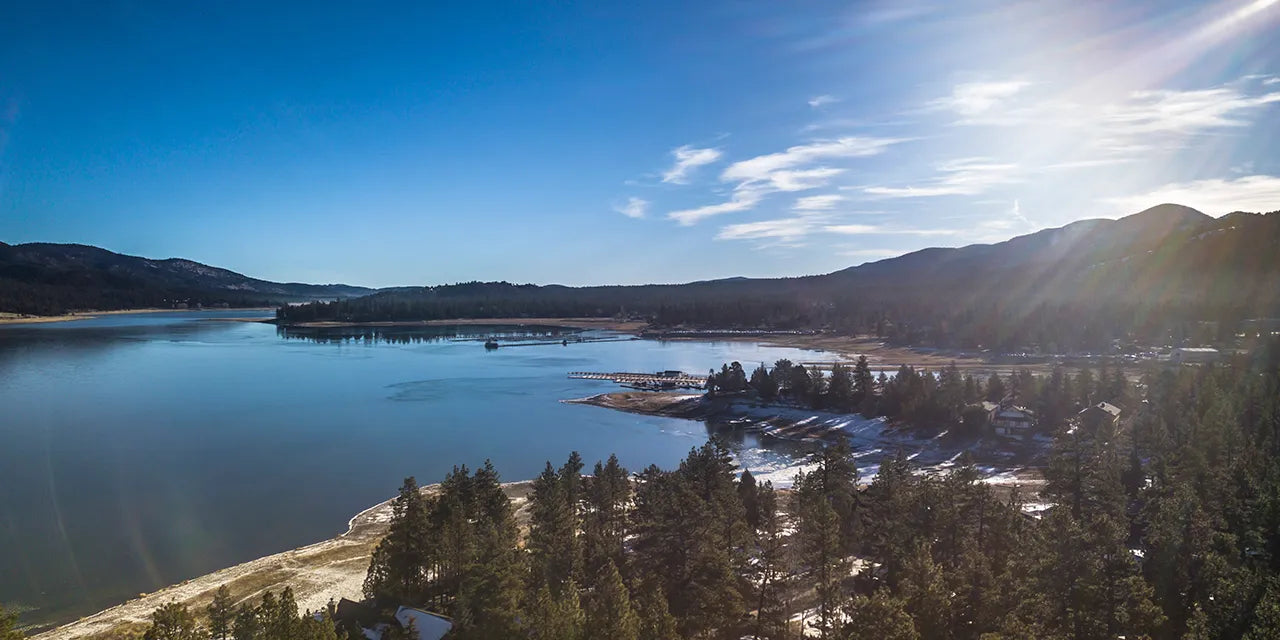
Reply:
x=425, y=334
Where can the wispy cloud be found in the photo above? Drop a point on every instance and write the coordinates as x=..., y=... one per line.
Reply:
x=1149, y=117
x=975, y=98
x=823, y=100
x=1258, y=193
x=633, y=208
x=871, y=229
x=763, y=168
x=786, y=171
x=742, y=200
x=825, y=202
x=967, y=176
x=1122, y=125
x=688, y=158
x=785, y=229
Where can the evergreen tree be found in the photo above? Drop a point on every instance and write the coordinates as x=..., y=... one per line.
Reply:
x=863, y=382
x=246, y=625
x=995, y=388
x=605, y=519
x=818, y=536
x=771, y=575
x=221, y=614
x=173, y=621
x=552, y=532
x=488, y=600
x=748, y=494
x=840, y=391
x=879, y=616
x=763, y=384
x=8, y=626
x=655, y=619
x=551, y=618
x=609, y=612
x=398, y=570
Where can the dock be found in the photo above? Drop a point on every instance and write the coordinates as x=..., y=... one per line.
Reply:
x=663, y=380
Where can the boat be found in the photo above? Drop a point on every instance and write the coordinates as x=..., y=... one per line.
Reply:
x=491, y=344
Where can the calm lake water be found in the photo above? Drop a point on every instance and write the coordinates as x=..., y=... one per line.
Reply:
x=141, y=450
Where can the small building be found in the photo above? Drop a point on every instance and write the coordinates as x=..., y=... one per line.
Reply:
x=374, y=625
x=1103, y=413
x=1013, y=420
x=429, y=625
x=1194, y=355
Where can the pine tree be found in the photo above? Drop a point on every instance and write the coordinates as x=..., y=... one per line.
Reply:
x=551, y=618
x=655, y=619
x=771, y=575
x=552, y=533
x=763, y=384
x=221, y=614
x=609, y=612
x=818, y=537
x=924, y=591
x=173, y=621
x=839, y=394
x=247, y=626
x=489, y=596
x=879, y=616
x=747, y=493
x=863, y=382
x=605, y=519
x=397, y=573
x=8, y=626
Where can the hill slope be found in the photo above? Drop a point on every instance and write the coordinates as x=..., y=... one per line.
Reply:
x=1154, y=275
x=41, y=278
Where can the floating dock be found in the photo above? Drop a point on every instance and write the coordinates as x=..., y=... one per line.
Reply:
x=663, y=380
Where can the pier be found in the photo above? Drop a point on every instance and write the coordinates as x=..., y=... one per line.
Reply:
x=662, y=380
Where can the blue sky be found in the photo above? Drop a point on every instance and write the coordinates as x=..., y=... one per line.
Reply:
x=600, y=142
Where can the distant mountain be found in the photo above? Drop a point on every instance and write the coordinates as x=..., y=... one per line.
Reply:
x=43, y=278
x=1160, y=274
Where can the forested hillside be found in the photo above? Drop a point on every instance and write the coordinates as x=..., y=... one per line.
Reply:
x=1154, y=276
x=50, y=279
x=1165, y=526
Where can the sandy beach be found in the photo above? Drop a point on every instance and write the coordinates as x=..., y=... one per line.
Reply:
x=330, y=569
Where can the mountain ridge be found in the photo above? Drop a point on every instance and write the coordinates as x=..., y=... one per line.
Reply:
x=1157, y=273
x=43, y=278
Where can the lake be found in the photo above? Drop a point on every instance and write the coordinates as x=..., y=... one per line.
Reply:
x=140, y=450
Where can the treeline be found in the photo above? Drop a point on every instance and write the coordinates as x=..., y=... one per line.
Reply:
x=946, y=398
x=34, y=298
x=1168, y=527
x=1165, y=526
x=1061, y=290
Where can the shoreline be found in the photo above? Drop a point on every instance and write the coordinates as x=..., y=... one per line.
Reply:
x=335, y=567
x=604, y=324
x=7, y=318
x=1006, y=462
x=329, y=569
x=879, y=353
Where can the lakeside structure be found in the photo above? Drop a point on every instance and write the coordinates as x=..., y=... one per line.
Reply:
x=1194, y=355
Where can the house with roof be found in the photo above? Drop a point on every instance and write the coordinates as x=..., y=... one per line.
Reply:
x=1012, y=420
x=1098, y=415
x=374, y=624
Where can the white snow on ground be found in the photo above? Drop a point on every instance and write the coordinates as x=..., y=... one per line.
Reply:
x=870, y=438
x=1036, y=509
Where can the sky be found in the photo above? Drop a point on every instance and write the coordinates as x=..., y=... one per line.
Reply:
x=415, y=143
